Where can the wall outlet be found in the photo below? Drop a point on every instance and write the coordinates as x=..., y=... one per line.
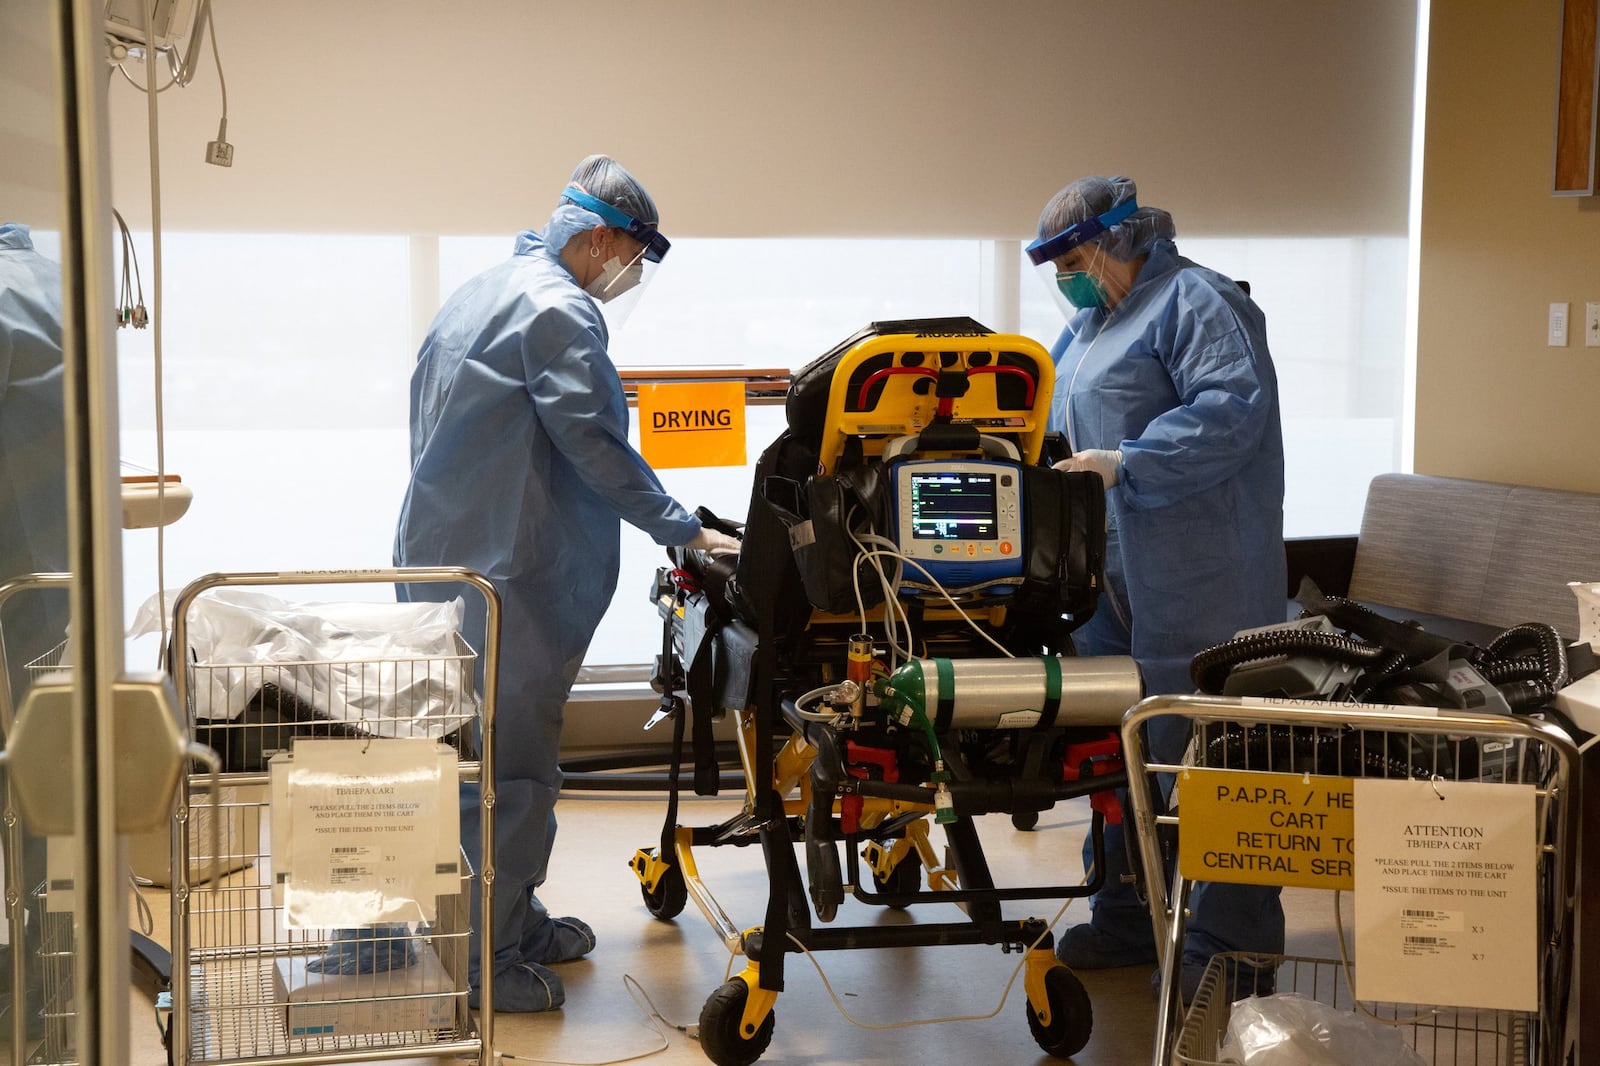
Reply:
x=1591, y=325
x=1557, y=333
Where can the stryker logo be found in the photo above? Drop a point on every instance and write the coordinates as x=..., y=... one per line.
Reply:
x=691, y=421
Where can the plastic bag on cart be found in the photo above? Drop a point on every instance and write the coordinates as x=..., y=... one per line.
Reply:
x=401, y=669
x=1293, y=1030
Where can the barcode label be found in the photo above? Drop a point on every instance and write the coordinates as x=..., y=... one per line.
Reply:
x=1422, y=914
x=1421, y=940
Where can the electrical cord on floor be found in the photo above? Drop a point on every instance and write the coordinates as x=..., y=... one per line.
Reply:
x=1005, y=993
x=652, y=1015
x=694, y=1030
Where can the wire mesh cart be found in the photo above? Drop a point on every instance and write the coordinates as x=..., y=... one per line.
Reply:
x=1263, y=752
x=52, y=944
x=237, y=962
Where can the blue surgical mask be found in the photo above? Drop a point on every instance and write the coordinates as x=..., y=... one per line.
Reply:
x=1081, y=288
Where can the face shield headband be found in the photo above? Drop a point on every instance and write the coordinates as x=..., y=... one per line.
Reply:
x=655, y=245
x=1045, y=249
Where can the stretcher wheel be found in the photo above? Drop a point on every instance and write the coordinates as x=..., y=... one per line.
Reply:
x=1071, y=1017
x=904, y=877
x=671, y=893
x=720, y=1035
x=1024, y=820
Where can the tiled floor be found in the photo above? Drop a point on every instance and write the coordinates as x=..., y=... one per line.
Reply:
x=678, y=964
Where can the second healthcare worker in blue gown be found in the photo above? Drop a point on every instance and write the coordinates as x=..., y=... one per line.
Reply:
x=1164, y=387
x=521, y=469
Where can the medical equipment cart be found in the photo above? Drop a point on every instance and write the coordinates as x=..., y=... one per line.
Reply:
x=54, y=942
x=231, y=943
x=1326, y=744
x=927, y=441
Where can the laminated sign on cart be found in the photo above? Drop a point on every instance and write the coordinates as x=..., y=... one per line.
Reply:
x=364, y=832
x=1446, y=893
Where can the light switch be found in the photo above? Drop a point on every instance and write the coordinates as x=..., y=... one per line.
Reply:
x=1557, y=337
x=1591, y=324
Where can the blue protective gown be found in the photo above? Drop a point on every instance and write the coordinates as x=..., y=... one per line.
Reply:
x=1178, y=377
x=33, y=491
x=33, y=462
x=521, y=469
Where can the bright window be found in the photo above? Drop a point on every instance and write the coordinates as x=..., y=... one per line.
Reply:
x=286, y=366
x=288, y=361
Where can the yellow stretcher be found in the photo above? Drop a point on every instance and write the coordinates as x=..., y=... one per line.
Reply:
x=784, y=631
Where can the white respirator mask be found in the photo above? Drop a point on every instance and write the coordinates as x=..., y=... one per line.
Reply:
x=616, y=278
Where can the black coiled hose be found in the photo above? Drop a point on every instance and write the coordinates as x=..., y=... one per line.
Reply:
x=1210, y=668
x=1296, y=749
x=1527, y=663
x=1546, y=661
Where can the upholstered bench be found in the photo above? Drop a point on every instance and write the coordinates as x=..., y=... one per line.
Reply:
x=1477, y=552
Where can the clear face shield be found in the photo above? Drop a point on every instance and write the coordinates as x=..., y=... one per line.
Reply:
x=1073, y=281
x=620, y=284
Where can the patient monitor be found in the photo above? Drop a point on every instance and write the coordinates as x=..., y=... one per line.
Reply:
x=960, y=520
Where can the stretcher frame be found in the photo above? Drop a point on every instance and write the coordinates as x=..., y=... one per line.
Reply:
x=780, y=799
x=226, y=937
x=1510, y=744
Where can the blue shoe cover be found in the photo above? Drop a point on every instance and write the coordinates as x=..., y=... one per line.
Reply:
x=1241, y=978
x=523, y=988
x=557, y=940
x=1088, y=947
x=375, y=949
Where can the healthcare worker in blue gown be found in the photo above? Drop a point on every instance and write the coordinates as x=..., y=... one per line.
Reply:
x=33, y=517
x=1165, y=388
x=521, y=469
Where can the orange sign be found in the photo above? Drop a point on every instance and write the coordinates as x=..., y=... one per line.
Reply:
x=692, y=423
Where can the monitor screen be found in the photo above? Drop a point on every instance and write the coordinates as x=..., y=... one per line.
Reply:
x=954, y=505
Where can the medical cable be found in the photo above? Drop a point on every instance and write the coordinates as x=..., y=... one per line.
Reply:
x=1350, y=982
x=156, y=338
x=142, y=88
x=893, y=611
x=130, y=307
x=1005, y=993
x=891, y=600
x=216, y=56
x=651, y=1015
x=968, y=619
x=693, y=1030
x=816, y=694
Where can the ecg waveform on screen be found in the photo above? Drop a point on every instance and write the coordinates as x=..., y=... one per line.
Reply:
x=953, y=506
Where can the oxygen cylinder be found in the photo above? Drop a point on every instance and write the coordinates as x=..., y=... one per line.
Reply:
x=1016, y=693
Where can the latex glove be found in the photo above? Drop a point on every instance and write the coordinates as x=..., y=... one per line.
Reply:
x=1106, y=463
x=712, y=542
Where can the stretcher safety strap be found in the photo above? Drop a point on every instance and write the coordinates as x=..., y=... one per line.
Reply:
x=1052, y=692
x=946, y=709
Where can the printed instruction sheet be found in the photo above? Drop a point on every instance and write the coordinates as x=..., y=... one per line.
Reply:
x=364, y=832
x=1446, y=907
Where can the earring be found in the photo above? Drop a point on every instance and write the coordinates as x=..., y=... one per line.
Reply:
x=594, y=253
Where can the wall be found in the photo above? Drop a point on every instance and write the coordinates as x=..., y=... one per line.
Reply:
x=827, y=118
x=1497, y=249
